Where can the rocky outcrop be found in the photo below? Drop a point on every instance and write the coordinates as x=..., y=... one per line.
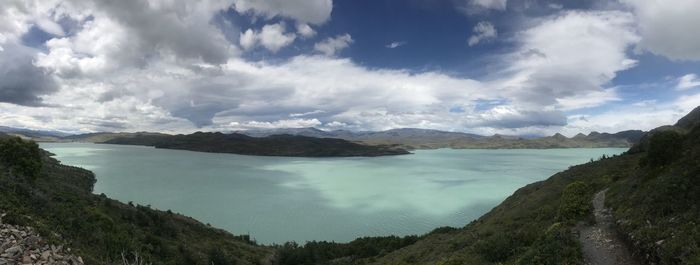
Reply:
x=22, y=245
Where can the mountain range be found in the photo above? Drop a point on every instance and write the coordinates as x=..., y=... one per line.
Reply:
x=405, y=138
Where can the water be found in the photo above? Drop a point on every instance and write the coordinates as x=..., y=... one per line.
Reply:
x=279, y=199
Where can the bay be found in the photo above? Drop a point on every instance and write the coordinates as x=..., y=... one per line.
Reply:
x=280, y=199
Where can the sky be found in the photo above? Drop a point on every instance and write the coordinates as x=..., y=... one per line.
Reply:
x=517, y=67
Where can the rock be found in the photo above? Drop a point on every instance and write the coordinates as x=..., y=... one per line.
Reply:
x=13, y=250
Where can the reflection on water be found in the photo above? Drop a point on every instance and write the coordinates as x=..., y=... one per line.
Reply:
x=277, y=199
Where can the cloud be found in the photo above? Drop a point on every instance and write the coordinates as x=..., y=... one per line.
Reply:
x=272, y=37
x=304, y=11
x=21, y=81
x=49, y=26
x=471, y=7
x=483, y=31
x=305, y=30
x=132, y=33
x=109, y=73
x=548, y=68
x=687, y=82
x=669, y=28
x=395, y=44
x=248, y=39
x=331, y=46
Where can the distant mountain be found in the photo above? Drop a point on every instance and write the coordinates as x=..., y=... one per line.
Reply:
x=410, y=138
x=101, y=137
x=38, y=135
x=274, y=145
x=405, y=138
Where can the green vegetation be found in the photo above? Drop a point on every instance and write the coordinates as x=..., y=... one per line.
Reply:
x=37, y=191
x=575, y=202
x=330, y=252
x=23, y=158
x=276, y=145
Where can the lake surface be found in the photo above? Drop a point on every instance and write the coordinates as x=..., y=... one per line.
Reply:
x=279, y=199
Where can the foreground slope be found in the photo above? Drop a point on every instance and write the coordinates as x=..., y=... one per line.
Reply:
x=56, y=200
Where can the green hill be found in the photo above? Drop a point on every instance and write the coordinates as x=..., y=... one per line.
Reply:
x=275, y=145
x=37, y=191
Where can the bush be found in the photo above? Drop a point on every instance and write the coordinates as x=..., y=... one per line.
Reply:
x=497, y=248
x=22, y=157
x=664, y=148
x=556, y=246
x=575, y=202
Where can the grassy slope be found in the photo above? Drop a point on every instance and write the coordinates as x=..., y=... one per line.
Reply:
x=59, y=203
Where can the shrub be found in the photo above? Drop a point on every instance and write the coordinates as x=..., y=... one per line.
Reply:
x=664, y=148
x=556, y=246
x=22, y=157
x=575, y=202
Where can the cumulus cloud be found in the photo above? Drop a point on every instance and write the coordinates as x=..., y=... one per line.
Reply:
x=273, y=37
x=687, y=82
x=124, y=68
x=305, y=30
x=131, y=33
x=395, y=44
x=483, y=31
x=669, y=28
x=333, y=45
x=548, y=69
x=305, y=11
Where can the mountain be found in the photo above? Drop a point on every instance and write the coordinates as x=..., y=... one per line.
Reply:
x=39, y=135
x=650, y=193
x=275, y=145
x=409, y=138
x=57, y=202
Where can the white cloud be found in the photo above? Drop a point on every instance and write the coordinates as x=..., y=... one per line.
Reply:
x=248, y=39
x=395, y=44
x=305, y=11
x=669, y=28
x=687, y=82
x=49, y=26
x=273, y=37
x=589, y=99
x=331, y=46
x=305, y=30
x=549, y=69
x=289, y=123
x=471, y=7
x=112, y=74
x=483, y=30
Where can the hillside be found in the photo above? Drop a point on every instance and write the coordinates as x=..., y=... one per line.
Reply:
x=430, y=139
x=652, y=190
x=56, y=200
x=275, y=145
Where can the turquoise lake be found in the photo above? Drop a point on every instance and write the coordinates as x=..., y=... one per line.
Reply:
x=279, y=199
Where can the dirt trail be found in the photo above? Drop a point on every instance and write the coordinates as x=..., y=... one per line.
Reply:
x=600, y=244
